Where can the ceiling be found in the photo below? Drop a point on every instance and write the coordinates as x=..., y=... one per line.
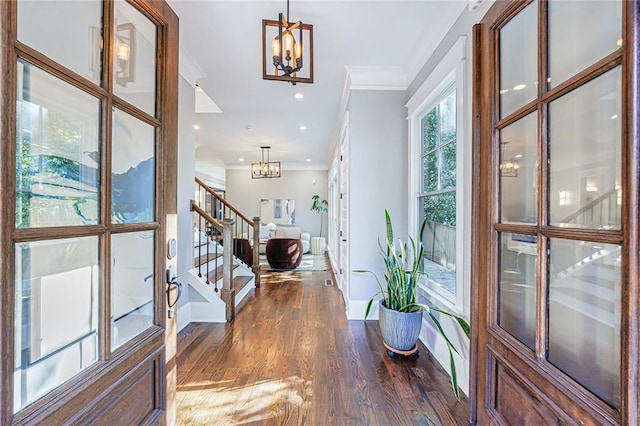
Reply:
x=223, y=38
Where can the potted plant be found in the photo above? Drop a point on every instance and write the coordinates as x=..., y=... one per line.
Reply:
x=320, y=206
x=400, y=314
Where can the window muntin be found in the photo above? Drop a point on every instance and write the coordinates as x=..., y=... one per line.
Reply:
x=437, y=202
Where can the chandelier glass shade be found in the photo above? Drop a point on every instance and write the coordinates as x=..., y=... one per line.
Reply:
x=265, y=168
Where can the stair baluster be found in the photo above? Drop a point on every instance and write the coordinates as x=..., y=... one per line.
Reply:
x=219, y=208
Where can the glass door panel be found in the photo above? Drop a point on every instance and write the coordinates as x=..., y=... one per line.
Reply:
x=585, y=155
x=519, y=72
x=132, y=282
x=56, y=334
x=132, y=170
x=78, y=47
x=584, y=314
x=580, y=34
x=517, y=286
x=518, y=171
x=134, y=67
x=58, y=155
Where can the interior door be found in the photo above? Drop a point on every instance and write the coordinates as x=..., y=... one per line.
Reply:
x=555, y=228
x=344, y=213
x=89, y=125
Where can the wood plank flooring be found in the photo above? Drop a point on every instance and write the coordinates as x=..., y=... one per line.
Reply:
x=291, y=357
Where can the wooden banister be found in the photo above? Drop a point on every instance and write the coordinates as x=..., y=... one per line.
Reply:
x=232, y=213
x=588, y=206
x=222, y=200
x=215, y=222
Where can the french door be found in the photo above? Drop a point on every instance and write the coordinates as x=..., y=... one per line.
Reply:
x=555, y=253
x=88, y=157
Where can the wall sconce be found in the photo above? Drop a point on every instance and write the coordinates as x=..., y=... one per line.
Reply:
x=124, y=54
x=292, y=59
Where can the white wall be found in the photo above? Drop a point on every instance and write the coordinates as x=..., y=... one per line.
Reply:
x=245, y=194
x=377, y=181
x=186, y=183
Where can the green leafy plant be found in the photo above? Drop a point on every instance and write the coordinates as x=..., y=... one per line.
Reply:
x=403, y=264
x=320, y=206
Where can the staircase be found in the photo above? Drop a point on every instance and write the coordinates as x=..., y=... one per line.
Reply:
x=223, y=274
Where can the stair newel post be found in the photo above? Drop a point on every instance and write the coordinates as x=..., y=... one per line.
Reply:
x=256, y=250
x=228, y=293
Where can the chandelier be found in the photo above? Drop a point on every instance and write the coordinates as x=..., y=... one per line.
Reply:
x=287, y=54
x=508, y=167
x=265, y=169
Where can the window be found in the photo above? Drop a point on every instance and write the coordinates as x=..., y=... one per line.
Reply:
x=437, y=199
x=440, y=180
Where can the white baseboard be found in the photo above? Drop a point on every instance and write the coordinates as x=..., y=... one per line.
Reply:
x=183, y=316
x=204, y=312
x=357, y=308
x=437, y=346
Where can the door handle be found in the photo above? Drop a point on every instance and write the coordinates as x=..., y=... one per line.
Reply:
x=172, y=280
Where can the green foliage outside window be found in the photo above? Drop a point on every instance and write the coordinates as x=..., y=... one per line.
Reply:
x=437, y=203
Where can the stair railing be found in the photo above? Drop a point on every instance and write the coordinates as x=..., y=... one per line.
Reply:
x=601, y=207
x=245, y=234
x=212, y=232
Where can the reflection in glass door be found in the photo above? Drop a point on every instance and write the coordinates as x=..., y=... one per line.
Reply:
x=582, y=147
x=555, y=219
x=84, y=237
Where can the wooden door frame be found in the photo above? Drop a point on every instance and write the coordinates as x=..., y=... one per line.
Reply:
x=574, y=403
x=89, y=395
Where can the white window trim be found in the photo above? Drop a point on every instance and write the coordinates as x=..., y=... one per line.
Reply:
x=447, y=75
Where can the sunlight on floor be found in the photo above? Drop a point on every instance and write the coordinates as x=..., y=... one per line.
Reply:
x=201, y=401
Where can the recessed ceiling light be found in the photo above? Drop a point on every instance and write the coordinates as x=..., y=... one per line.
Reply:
x=249, y=127
x=303, y=127
x=308, y=160
x=195, y=126
x=241, y=159
x=298, y=95
x=614, y=116
x=519, y=156
x=520, y=87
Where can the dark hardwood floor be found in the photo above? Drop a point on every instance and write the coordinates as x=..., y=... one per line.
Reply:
x=291, y=357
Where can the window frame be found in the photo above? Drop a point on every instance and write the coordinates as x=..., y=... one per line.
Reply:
x=446, y=76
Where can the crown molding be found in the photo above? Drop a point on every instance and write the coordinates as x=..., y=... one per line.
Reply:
x=376, y=78
x=425, y=47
